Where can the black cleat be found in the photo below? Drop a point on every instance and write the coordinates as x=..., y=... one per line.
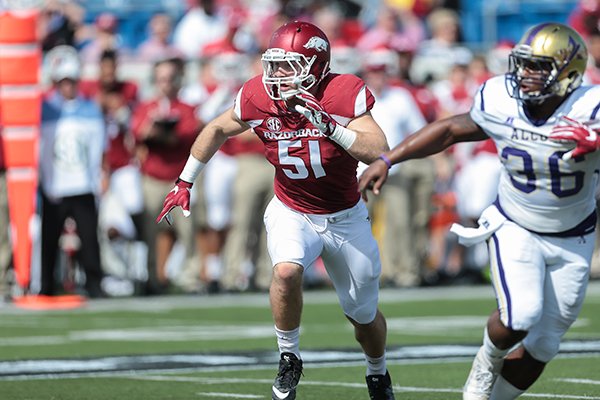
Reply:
x=290, y=369
x=380, y=387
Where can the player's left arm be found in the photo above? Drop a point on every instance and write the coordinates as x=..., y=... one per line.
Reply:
x=370, y=140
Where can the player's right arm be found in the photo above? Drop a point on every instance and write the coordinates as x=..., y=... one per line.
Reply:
x=215, y=133
x=431, y=139
x=210, y=139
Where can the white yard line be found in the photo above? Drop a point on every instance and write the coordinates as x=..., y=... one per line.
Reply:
x=231, y=395
x=579, y=381
x=398, y=389
x=168, y=377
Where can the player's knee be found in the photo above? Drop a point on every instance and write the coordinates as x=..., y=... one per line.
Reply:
x=287, y=274
x=542, y=348
x=362, y=314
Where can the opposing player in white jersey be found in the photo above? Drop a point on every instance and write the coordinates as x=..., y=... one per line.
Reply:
x=540, y=229
x=315, y=126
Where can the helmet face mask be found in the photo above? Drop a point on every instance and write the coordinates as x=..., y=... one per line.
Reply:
x=296, y=76
x=297, y=59
x=548, y=61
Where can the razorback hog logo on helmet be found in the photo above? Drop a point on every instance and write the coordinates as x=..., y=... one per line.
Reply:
x=316, y=43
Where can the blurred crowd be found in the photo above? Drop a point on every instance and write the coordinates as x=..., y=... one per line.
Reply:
x=118, y=123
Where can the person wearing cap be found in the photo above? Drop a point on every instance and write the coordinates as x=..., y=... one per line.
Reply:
x=72, y=143
x=406, y=198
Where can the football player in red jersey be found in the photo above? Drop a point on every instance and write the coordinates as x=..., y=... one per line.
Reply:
x=315, y=125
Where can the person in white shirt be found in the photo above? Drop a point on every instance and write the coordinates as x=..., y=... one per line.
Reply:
x=202, y=24
x=73, y=140
x=406, y=199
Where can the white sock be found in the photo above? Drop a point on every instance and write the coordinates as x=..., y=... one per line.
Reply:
x=491, y=351
x=288, y=341
x=376, y=365
x=503, y=390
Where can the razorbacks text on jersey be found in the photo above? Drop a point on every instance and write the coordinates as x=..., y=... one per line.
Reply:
x=535, y=181
x=313, y=174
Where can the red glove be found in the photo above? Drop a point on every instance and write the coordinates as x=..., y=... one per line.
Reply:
x=178, y=196
x=315, y=113
x=586, y=139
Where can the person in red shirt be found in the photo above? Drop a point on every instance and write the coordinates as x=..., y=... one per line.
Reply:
x=164, y=129
x=315, y=126
x=108, y=82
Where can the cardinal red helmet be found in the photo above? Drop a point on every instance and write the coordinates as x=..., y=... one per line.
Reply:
x=301, y=49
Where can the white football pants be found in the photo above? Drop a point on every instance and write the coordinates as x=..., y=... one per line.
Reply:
x=345, y=243
x=540, y=283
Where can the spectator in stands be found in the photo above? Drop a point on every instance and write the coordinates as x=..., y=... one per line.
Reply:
x=435, y=57
x=592, y=72
x=478, y=70
x=496, y=58
x=106, y=38
x=394, y=29
x=224, y=72
x=422, y=95
x=455, y=92
x=122, y=226
x=455, y=95
x=200, y=25
x=330, y=19
x=72, y=143
x=406, y=199
x=473, y=195
x=592, y=77
x=247, y=262
x=5, y=245
x=585, y=17
x=268, y=24
x=109, y=82
x=158, y=45
x=344, y=55
x=164, y=128
x=59, y=23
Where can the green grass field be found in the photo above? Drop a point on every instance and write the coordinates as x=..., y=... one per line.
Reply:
x=224, y=347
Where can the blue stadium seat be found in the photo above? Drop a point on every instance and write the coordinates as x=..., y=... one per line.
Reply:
x=485, y=22
x=133, y=15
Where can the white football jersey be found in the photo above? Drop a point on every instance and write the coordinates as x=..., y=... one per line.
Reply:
x=537, y=189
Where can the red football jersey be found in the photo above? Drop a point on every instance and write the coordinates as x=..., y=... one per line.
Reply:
x=313, y=174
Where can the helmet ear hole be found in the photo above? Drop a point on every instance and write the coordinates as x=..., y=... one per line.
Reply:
x=576, y=78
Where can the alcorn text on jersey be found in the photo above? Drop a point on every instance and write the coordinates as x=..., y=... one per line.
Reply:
x=538, y=189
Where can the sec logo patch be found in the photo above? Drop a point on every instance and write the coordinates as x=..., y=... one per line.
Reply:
x=274, y=124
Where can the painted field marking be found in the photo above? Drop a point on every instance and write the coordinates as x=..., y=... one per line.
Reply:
x=574, y=380
x=218, y=381
x=232, y=395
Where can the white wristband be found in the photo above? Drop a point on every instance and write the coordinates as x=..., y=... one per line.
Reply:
x=343, y=136
x=191, y=170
